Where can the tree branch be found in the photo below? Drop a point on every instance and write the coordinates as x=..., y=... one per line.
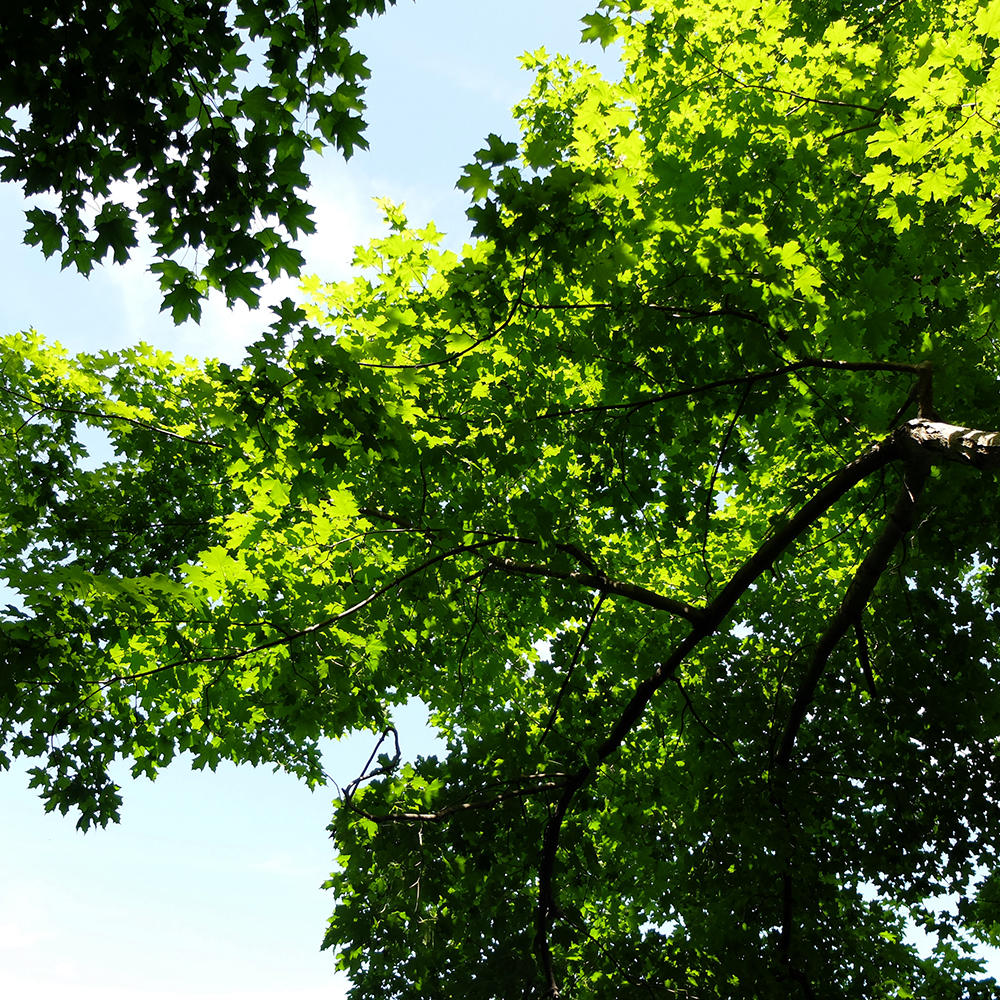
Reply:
x=450, y=810
x=289, y=637
x=747, y=379
x=569, y=672
x=898, y=523
x=365, y=775
x=943, y=442
x=704, y=625
x=546, y=866
x=598, y=581
x=921, y=442
x=882, y=454
x=455, y=355
x=865, y=659
x=101, y=415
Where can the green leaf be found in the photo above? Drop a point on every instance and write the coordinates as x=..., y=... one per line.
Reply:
x=599, y=28
x=988, y=19
x=131, y=120
x=497, y=152
x=476, y=179
x=45, y=230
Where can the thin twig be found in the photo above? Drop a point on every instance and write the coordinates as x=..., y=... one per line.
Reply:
x=709, y=493
x=750, y=377
x=697, y=718
x=450, y=810
x=569, y=672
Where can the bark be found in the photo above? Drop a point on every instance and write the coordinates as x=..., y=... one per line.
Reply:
x=942, y=442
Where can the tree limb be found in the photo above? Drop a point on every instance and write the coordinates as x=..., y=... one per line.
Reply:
x=747, y=379
x=702, y=627
x=897, y=524
x=450, y=810
x=943, y=442
x=546, y=866
x=920, y=442
x=865, y=659
x=600, y=582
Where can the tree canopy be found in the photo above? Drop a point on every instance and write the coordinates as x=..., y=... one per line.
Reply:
x=672, y=496
x=189, y=120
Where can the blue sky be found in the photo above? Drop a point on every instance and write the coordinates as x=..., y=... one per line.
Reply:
x=209, y=888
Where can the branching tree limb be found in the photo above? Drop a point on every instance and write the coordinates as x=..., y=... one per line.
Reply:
x=601, y=583
x=897, y=524
x=919, y=442
x=750, y=378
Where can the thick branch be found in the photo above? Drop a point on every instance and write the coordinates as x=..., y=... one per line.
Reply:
x=708, y=620
x=703, y=626
x=546, y=897
x=600, y=582
x=942, y=442
x=865, y=659
x=898, y=523
x=824, y=498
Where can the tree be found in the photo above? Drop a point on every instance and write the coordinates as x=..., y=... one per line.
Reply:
x=157, y=115
x=672, y=497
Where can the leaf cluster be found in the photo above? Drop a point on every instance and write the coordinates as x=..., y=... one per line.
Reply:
x=187, y=120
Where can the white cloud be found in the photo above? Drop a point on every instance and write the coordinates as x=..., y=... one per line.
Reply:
x=14, y=934
x=345, y=217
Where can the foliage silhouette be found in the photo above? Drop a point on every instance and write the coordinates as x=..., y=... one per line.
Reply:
x=163, y=94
